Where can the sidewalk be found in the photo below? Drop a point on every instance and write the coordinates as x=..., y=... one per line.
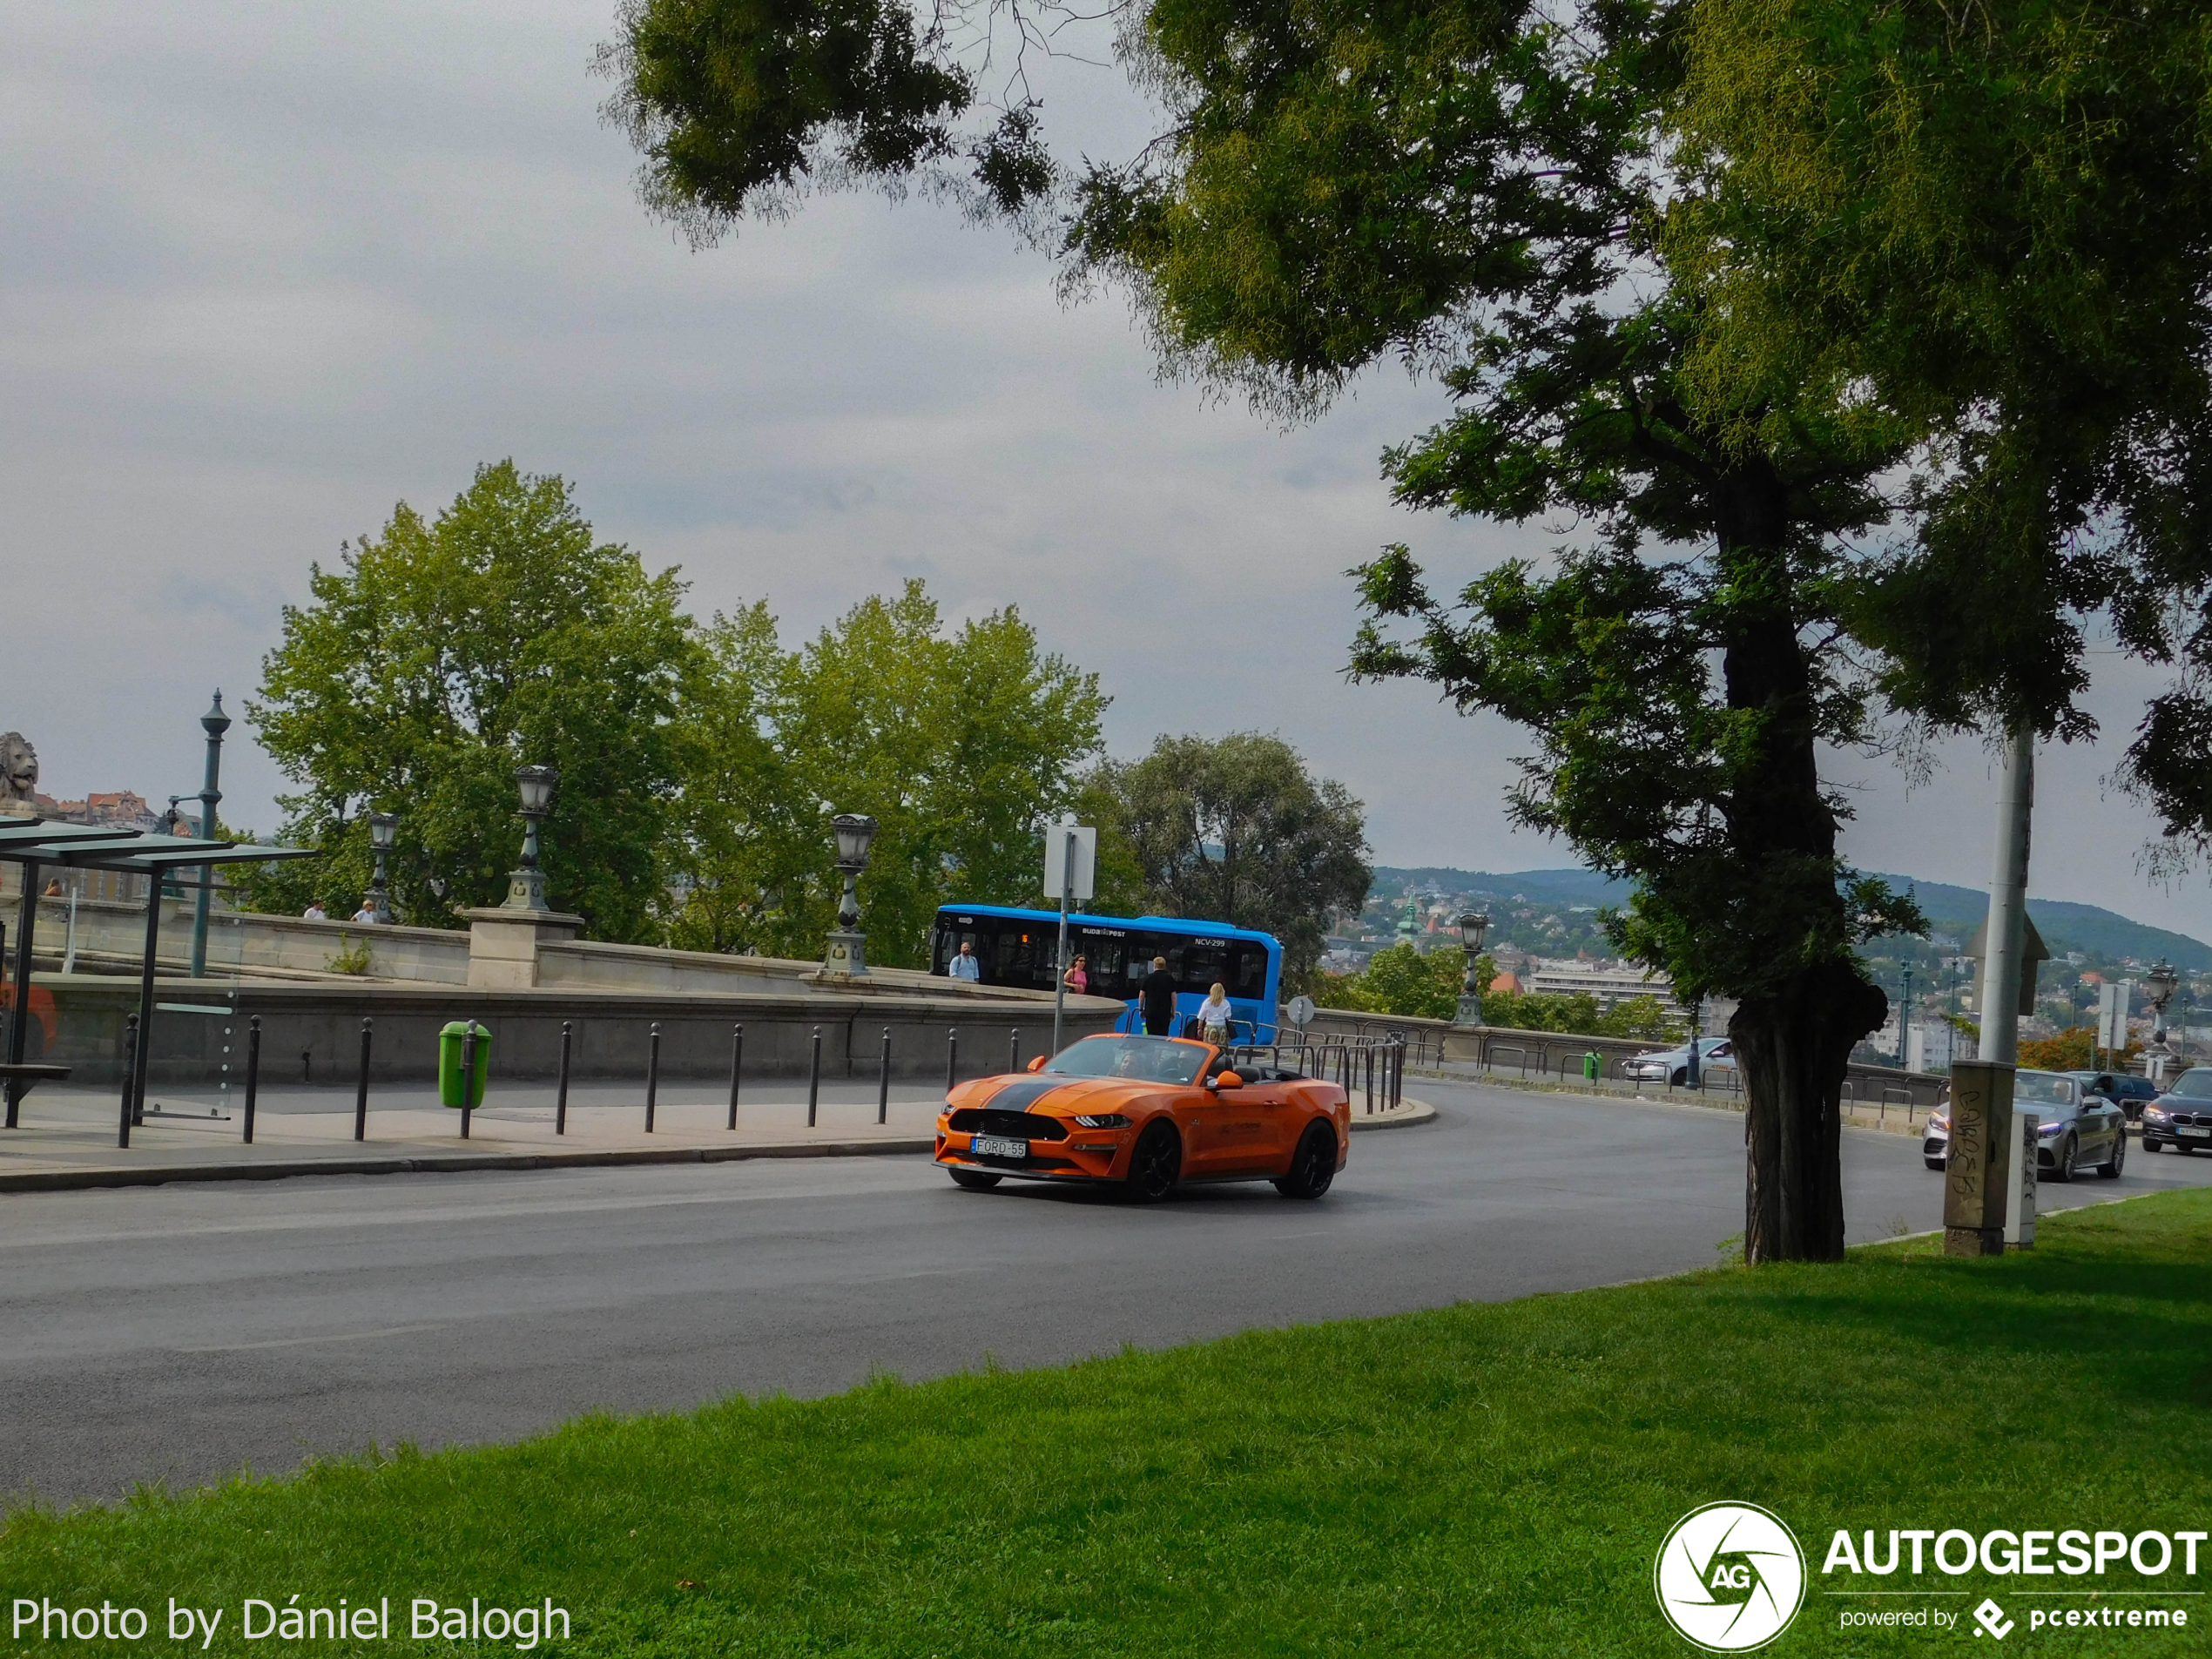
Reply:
x=68, y=1135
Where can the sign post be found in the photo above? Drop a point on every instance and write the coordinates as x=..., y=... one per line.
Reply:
x=1980, y=1172
x=1070, y=869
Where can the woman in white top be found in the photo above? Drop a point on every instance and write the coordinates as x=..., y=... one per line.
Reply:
x=1213, y=1015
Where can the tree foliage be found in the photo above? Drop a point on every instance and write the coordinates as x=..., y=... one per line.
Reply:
x=1403, y=980
x=961, y=747
x=1999, y=227
x=1235, y=829
x=699, y=765
x=445, y=652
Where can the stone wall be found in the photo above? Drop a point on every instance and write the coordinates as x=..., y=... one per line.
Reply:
x=312, y=1033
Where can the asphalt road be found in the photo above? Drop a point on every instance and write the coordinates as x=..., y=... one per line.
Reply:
x=178, y=1333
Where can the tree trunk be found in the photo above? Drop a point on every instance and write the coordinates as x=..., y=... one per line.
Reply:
x=1793, y=1037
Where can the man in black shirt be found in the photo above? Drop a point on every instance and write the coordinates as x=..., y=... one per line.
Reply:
x=1158, y=993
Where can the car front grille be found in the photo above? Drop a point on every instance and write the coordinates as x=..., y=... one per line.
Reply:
x=1017, y=1126
x=2191, y=1120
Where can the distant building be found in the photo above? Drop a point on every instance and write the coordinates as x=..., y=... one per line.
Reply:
x=1609, y=982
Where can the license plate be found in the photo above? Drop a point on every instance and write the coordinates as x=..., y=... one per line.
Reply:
x=2195, y=1134
x=991, y=1146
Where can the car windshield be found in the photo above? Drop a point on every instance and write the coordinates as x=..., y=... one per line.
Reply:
x=1152, y=1060
x=2194, y=1084
x=2042, y=1088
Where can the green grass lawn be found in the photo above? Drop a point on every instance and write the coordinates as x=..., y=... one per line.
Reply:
x=1484, y=1479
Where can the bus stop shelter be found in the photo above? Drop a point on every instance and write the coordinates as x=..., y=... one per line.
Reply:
x=36, y=844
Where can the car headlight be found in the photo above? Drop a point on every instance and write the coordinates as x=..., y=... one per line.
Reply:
x=1102, y=1120
x=2049, y=1128
x=1939, y=1126
x=2154, y=1115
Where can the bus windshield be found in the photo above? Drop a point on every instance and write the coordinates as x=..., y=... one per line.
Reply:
x=1152, y=1060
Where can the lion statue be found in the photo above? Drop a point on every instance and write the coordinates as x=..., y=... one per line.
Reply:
x=19, y=770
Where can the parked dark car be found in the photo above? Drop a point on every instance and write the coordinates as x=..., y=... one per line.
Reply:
x=2128, y=1091
x=2181, y=1118
x=2075, y=1129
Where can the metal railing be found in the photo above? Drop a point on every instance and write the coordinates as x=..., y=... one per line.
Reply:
x=1370, y=1070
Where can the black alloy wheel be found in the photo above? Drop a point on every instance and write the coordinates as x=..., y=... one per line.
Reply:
x=2110, y=1169
x=1313, y=1166
x=1680, y=1079
x=976, y=1180
x=1156, y=1164
x=2062, y=1166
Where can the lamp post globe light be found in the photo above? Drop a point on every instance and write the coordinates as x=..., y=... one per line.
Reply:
x=848, y=957
x=383, y=835
x=526, y=885
x=1474, y=926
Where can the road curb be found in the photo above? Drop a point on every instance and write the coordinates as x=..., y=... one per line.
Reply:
x=1409, y=1112
x=448, y=1163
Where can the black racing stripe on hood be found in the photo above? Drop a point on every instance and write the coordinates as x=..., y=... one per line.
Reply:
x=1023, y=1092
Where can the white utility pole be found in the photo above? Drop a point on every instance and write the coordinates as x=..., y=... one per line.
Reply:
x=2001, y=967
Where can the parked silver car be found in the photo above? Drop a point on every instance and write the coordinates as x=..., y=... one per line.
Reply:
x=1672, y=1065
x=2074, y=1128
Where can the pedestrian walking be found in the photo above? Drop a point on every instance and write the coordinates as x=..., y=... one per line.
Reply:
x=964, y=966
x=1157, y=996
x=1078, y=977
x=314, y=911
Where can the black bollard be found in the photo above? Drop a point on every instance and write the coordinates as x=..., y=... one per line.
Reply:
x=736, y=1060
x=1013, y=1050
x=883, y=1080
x=253, y=1071
x=652, y=1073
x=468, y=1078
x=814, y=1079
x=561, y=1099
x=129, y=1074
x=952, y=1059
x=361, y=1091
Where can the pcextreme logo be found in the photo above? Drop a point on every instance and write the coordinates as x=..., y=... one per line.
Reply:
x=1730, y=1577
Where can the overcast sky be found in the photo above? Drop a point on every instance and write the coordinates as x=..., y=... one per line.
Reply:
x=269, y=269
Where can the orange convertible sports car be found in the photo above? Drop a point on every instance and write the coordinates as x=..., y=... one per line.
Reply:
x=1147, y=1115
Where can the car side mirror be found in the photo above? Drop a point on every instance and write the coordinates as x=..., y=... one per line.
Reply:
x=1229, y=1079
x=1037, y=1064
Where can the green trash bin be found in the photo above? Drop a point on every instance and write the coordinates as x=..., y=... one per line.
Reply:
x=1590, y=1064
x=452, y=1044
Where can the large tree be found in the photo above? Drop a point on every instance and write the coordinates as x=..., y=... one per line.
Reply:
x=443, y=653
x=1476, y=187
x=1235, y=829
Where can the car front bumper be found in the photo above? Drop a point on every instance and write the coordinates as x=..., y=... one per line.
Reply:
x=1099, y=1158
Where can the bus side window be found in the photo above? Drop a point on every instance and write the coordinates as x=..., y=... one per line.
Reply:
x=1251, y=971
x=1104, y=962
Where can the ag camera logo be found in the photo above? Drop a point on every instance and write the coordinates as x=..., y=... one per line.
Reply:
x=1730, y=1577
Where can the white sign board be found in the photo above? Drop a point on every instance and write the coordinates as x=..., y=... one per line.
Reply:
x=2113, y=997
x=1059, y=840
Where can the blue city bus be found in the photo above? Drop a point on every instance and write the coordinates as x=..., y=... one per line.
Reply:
x=1019, y=946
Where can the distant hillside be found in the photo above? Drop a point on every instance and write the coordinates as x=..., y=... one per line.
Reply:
x=1956, y=911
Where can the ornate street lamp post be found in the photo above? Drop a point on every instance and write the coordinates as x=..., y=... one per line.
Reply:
x=847, y=958
x=214, y=722
x=383, y=835
x=1472, y=926
x=526, y=885
x=2161, y=983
